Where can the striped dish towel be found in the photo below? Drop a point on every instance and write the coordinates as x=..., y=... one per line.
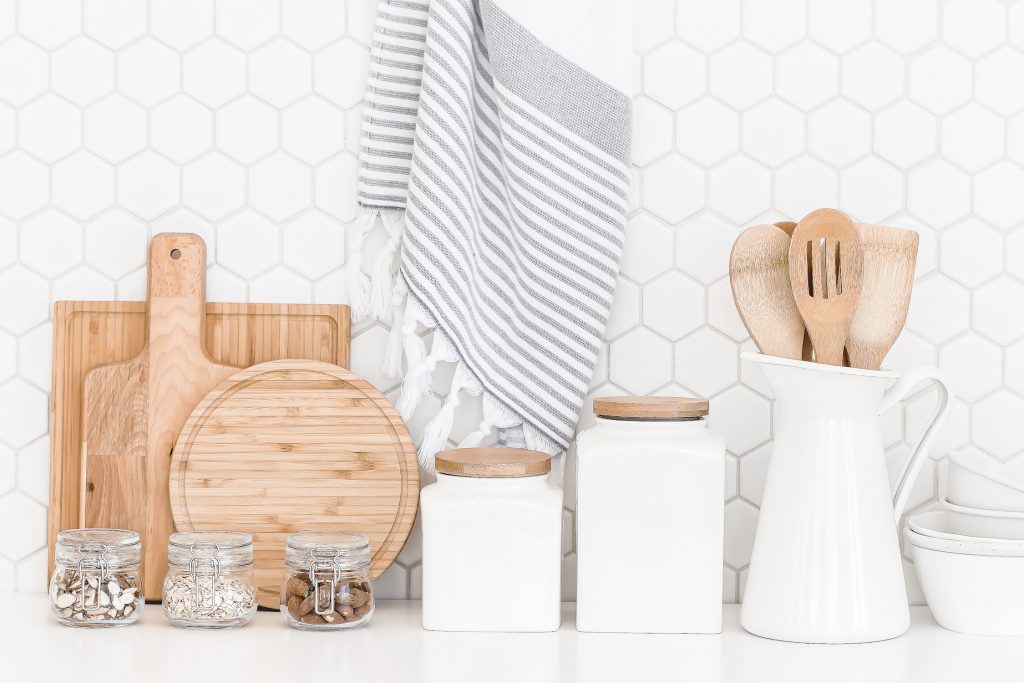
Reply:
x=495, y=152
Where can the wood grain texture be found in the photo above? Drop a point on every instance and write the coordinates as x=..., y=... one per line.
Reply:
x=826, y=266
x=786, y=226
x=88, y=334
x=288, y=446
x=808, y=350
x=650, y=407
x=497, y=463
x=890, y=257
x=132, y=411
x=759, y=277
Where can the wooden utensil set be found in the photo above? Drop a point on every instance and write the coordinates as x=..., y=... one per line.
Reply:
x=129, y=377
x=824, y=289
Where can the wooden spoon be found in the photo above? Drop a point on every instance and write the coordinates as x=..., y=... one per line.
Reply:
x=788, y=226
x=808, y=350
x=826, y=265
x=760, y=287
x=890, y=255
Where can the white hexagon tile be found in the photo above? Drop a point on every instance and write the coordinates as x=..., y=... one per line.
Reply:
x=239, y=120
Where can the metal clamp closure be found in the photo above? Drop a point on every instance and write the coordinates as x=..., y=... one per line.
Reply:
x=206, y=561
x=323, y=558
x=94, y=563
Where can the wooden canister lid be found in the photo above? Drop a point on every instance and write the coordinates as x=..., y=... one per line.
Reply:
x=650, y=407
x=492, y=462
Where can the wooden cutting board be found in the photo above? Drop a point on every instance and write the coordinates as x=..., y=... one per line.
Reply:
x=288, y=446
x=88, y=334
x=132, y=411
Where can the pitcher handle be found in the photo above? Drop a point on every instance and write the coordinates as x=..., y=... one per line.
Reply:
x=899, y=391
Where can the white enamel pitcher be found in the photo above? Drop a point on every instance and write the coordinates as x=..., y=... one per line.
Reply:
x=826, y=564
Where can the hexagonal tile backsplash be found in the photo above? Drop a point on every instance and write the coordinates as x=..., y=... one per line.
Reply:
x=239, y=120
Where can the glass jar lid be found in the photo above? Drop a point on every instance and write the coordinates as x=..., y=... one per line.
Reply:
x=114, y=548
x=230, y=549
x=339, y=550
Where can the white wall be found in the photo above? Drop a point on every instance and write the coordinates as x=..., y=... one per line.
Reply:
x=239, y=119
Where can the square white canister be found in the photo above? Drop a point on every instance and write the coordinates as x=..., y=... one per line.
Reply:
x=650, y=481
x=492, y=542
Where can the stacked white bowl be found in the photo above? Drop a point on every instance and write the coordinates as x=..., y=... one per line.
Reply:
x=969, y=553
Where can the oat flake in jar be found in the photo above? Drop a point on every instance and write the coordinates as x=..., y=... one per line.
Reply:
x=210, y=581
x=492, y=542
x=650, y=480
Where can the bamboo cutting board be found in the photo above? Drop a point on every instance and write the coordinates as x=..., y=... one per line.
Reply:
x=132, y=410
x=288, y=446
x=88, y=334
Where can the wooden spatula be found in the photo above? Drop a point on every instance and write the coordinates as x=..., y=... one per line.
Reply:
x=760, y=287
x=890, y=255
x=826, y=265
x=133, y=410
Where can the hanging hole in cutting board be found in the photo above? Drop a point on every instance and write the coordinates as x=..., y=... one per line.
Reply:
x=175, y=254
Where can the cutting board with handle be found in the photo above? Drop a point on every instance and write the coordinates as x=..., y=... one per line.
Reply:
x=89, y=334
x=294, y=445
x=132, y=410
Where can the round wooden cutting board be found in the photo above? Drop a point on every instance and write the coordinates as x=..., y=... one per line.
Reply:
x=296, y=445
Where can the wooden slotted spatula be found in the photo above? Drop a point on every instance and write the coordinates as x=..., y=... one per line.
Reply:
x=759, y=278
x=890, y=256
x=132, y=411
x=826, y=266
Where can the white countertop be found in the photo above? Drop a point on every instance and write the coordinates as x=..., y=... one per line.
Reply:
x=393, y=647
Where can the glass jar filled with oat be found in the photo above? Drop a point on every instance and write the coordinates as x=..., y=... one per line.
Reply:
x=327, y=581
x=97, y=579
x=210, y=581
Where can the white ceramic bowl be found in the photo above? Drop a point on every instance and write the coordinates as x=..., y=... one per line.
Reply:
x=971, y=587
x=973, y=479
x=957, y=525
x=980, y=522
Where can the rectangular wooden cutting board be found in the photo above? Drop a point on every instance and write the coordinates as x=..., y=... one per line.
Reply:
x=89, y=334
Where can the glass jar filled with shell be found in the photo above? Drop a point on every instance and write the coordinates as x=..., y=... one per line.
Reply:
x=327, y=581
x=97, y=578
x=210, y=581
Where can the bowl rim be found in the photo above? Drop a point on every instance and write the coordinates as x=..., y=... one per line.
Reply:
x=918, y=523
x=947, y=546
x=989, y=471
x=980, y=512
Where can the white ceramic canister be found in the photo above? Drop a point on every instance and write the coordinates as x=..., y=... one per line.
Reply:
x=650, y=480
x=492, y=540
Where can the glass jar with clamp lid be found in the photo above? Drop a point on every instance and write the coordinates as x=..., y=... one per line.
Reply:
x=97, y=578
x=210, y=581
x=327, y=581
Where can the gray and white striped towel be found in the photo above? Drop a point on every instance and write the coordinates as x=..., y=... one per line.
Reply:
x=495, y=149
